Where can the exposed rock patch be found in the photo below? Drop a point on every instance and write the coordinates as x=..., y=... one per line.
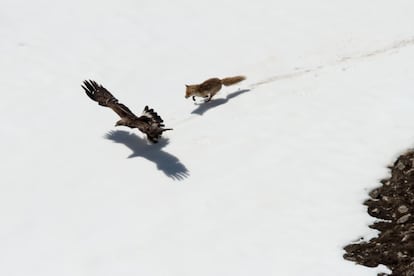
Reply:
x=393, y=203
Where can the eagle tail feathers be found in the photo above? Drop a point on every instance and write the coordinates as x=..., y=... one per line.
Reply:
x=157, y=124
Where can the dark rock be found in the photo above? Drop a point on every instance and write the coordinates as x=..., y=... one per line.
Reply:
x=404, y=219
x=403, y=209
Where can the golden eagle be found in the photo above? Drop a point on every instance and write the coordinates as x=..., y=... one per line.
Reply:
x=149, y=122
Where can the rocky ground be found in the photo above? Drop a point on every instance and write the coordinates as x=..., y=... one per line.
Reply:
x=393, y=204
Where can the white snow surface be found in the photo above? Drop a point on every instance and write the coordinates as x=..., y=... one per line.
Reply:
x=266, y=179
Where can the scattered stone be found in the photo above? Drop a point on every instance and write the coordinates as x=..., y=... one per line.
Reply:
x=374, y=193
x=400, y=166
x=403, y=209
x=386, y=198
x=404, y=219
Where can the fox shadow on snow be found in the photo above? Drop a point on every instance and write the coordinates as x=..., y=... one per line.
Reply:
x=169, y=164
x=205, y=106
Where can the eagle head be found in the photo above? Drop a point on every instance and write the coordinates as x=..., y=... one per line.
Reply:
x=120, y=123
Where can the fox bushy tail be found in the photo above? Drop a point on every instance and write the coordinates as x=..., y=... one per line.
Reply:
x=232, y=80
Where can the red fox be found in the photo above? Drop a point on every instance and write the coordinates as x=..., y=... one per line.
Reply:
x=210, y=87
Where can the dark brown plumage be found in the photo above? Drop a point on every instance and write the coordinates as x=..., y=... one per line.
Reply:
x=149, y=122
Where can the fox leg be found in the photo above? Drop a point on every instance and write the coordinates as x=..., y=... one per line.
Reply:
x=208, y=97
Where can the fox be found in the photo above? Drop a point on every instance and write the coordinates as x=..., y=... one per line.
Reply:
x=210, y=87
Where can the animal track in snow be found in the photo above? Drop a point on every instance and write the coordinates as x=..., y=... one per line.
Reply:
x=369, y=54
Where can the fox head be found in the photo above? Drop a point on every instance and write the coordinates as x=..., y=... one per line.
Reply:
x=190, y=90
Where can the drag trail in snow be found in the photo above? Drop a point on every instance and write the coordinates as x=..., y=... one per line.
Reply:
x=369, y=54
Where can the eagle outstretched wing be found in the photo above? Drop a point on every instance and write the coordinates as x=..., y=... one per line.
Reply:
x=100, y=94
x=149, y=122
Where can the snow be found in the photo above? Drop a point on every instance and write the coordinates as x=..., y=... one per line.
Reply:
x=267, y=179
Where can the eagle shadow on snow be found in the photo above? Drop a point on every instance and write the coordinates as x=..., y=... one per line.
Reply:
x=203, y=107
x=169, y=164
